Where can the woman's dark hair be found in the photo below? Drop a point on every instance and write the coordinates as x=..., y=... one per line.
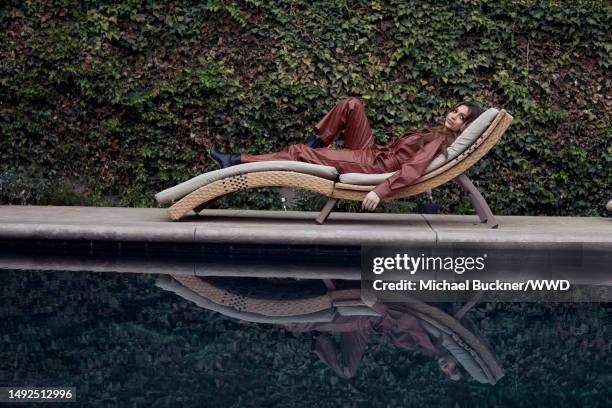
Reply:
x=475, y=111
x=474, y=108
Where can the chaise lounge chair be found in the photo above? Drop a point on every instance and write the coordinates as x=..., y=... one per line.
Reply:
x=469, y=147
x=226, y=296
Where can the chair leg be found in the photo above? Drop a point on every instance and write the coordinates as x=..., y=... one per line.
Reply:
x=482, y=208
x=329, y=284
x=469, y=304
x=326, y=210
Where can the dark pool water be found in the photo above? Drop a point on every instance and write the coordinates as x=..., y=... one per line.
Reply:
x=123, y=342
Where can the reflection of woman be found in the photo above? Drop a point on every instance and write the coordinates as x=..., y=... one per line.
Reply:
x=411, y=153
x=401, y=328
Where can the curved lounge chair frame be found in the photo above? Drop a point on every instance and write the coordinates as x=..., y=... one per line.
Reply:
x=453, y=170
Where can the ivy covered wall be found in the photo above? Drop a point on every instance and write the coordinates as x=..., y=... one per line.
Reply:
x=106, y=103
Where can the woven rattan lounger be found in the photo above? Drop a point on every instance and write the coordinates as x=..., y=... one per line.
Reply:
x=464, y=343
x=473, y=143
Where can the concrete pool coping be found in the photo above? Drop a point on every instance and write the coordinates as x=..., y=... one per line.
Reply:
x=297, y=228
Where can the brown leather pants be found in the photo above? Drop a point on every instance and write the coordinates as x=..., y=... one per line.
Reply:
x=357, y=155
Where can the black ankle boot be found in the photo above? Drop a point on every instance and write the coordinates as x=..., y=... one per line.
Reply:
x=314, y=142
x=224, y=159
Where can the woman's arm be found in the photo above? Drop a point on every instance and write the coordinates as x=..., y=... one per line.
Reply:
x=410, y=171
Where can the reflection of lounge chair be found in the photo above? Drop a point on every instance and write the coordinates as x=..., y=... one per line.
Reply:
x=220, y=295
x=473, y=143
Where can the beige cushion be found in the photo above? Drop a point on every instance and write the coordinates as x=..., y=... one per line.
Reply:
x=356, y=311
x=180, y=190
x=463, y=141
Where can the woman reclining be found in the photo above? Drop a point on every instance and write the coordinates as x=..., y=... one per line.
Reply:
x=410, y=153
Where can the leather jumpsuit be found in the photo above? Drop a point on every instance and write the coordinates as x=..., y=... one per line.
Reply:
x=360, y=154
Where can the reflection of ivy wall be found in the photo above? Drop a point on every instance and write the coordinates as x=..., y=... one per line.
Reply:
x=118, y=100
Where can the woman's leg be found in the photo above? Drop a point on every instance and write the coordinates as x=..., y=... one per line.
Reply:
x=348, y=114
x=344, y=160
x=344, y=360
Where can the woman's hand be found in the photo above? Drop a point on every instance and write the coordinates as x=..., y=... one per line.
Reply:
x=369, y=298
x=370, y=201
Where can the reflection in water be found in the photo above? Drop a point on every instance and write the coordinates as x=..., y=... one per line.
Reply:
x=123, y=342
x=301, y=308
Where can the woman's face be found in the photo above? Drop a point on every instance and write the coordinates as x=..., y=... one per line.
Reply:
x=448, y=365
x=455, y=120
